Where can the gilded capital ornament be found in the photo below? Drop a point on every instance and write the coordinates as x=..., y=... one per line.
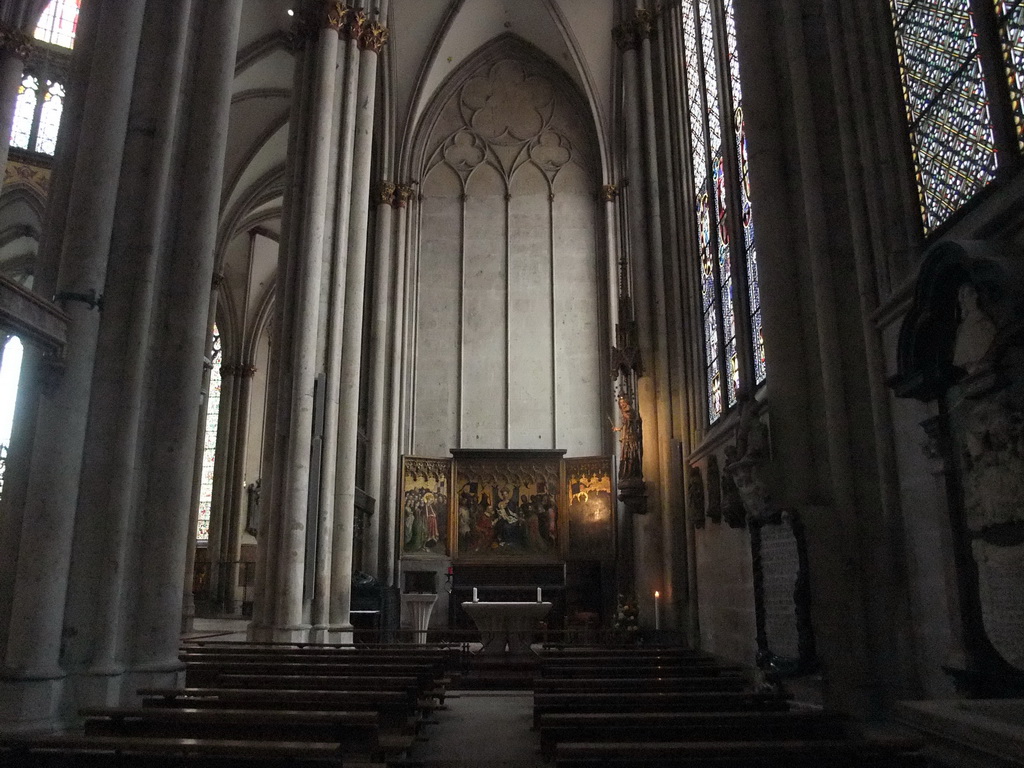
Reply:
x=373, y=37
x=609, y=192
x=14, y=41
x=403, y=194
x=354, y=28
x=385, y=193
x=334, y=15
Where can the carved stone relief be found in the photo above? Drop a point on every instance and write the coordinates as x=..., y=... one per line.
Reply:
x=747, y=466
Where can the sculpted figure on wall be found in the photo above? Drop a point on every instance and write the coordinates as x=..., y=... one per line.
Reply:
x=747, y=463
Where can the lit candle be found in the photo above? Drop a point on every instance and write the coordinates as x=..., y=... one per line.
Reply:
x=475, y=598
x=657, y=609
x=538, y=595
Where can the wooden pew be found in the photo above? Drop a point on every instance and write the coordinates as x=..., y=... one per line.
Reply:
x=824, y=753
x=355, y=732
x=79, y=751
x=396, y=710
x=655, y=701
x=685, y=683
x=207, y=672
x=688, y=726
x=638, y=671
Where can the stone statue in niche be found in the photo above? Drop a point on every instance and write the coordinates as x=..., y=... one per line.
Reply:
x=631, y=440
x=695, y=497
x=714, y=490
x=975, y=331
x=252, y=517
x=746, y=464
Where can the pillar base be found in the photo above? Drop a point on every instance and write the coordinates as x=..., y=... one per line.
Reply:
x=320, y=633
x=31, y=706
x=99, y=687
x=259, y=633
x=298, y=633
x=341, y=634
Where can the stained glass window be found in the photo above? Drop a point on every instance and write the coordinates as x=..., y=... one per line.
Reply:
x=1011, y=29
x=210, y=443
x=25, y=113
x=10, y=374
x=58, y=23
x=956, y=121
x=37, y=114
x=726, y=230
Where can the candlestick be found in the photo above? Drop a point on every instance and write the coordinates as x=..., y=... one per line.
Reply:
x=475, y=598
x=538, y=595
x=657, y=609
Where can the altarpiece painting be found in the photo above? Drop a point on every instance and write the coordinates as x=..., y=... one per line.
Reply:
x=425, y=505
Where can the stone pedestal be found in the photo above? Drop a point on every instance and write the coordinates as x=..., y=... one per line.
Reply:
x=502, y=624
x=418, y=608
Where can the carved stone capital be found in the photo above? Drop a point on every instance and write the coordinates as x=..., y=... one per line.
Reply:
x=334, y=15
x=15, y=42
x=403, y=194
x=385, y=193
x=217, y=281
x=625, y=36
x=373, y=37
x=246, y=371
x=608, y=193
x=643, y=22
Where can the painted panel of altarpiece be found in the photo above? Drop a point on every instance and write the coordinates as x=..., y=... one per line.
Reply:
x=591, y=508
x=509, y=505
x=426, y=503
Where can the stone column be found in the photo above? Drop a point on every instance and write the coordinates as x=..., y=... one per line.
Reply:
x=220, y=493
x=293, y=501
x=279, y=370
x=327, y=541
x=389, y=512
x=236, y=481
x=372, y=38
x=186, y=295
x=382, y=300
x=108, y=497
x=32, y=681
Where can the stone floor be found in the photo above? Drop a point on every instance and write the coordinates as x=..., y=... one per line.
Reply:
x=482, y=729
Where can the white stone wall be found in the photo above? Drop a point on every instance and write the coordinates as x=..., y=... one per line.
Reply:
x=508, y=338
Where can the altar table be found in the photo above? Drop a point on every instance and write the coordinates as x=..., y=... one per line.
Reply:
x=506, y=623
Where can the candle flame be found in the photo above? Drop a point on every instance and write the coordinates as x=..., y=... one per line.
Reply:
x=657, y=593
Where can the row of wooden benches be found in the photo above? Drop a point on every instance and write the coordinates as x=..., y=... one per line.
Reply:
x=261, y=706
x=674, y=707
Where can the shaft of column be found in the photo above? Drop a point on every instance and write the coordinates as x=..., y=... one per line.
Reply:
x=279, y=370
x=237, y=482
x=326, y=540
x=290, y=624
x=382, y=300
x=659, y=340
x=186, y=292
x=106, y=511
x=37, y=611
x=403, y=195
x=219, y=492
x=371, y=40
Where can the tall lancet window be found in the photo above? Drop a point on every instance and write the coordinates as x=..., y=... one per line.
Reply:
x=730, y=296
x=960, y=63
x=10, y=372
x=210, y=441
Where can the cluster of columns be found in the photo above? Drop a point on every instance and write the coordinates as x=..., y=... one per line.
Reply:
x=650, y=278
x=102, y=503
x=305, y=560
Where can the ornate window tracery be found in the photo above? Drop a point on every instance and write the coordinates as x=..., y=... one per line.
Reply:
x=730, y=295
